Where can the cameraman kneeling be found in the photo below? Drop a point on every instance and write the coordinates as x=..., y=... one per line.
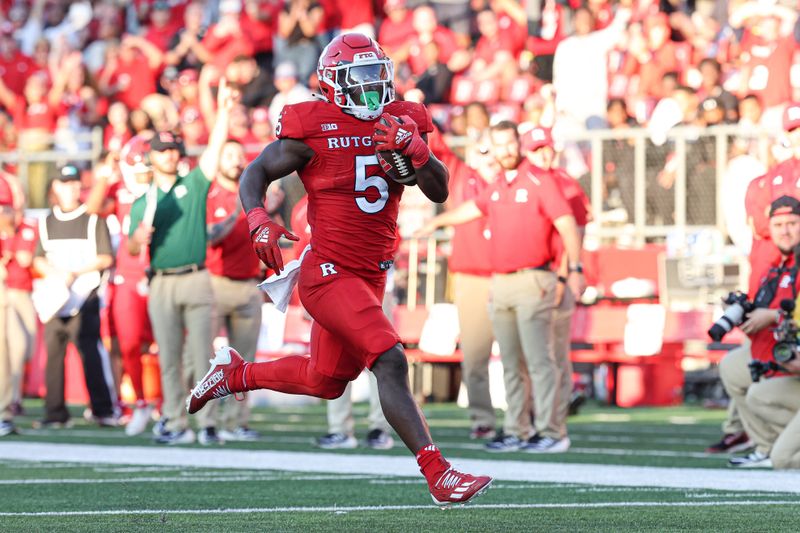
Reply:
x=778, y=282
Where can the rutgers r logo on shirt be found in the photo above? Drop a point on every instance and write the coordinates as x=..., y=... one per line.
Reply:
x=786, y=282
x=327, y=269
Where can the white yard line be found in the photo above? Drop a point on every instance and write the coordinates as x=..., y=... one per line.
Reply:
x=368, y=508
x=322, y=463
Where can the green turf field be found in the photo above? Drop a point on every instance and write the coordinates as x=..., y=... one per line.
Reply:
x=99, y=480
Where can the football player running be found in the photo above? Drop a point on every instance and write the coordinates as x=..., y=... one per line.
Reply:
x=352, y=211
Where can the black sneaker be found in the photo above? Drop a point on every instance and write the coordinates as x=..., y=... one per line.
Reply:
x=378, y=439
x=160, y=427
x=575, y=403
x=504, y=443
x=208, y=436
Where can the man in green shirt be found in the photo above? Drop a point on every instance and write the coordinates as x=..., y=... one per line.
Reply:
x=171, y=220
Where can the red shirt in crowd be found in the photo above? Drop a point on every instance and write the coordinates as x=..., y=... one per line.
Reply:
x=520, y=215
x=446, y=46
x=34, y=116
x=393, y=35
x=15, y=71
x=24, y=239
x=136, y=81
x=355, y=12
x=161, y=37
x=770, y=64
x=225, y=48
x=261, y=31
x=233, y=257
x=579, y=204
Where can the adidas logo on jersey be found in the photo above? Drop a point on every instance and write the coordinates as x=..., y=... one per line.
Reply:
x=402, y=136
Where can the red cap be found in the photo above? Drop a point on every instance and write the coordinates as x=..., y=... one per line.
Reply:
x=187, y=76
x=536, y=138
x=791, y=117
x=6, y=196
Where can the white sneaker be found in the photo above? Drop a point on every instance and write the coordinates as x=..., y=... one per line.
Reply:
x=337, y=441
x=240, y=434
x=139, y=419
x=754, y=459
x=548, y=445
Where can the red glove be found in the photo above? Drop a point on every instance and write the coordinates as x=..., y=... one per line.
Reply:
x=401, y=135
x=264, y=235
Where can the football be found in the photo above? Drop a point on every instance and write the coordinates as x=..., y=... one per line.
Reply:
x=396, y=165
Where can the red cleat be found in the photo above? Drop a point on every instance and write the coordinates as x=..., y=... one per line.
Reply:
x=454, y=487
x=216, y=383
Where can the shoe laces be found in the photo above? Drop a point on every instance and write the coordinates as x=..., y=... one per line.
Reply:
x=451, y=478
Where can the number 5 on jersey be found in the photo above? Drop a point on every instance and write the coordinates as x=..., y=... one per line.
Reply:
x=364, y=182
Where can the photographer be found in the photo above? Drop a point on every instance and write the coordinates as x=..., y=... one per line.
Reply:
x=778, y=281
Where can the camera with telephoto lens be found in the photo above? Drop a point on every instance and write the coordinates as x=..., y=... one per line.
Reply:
x=785, y=348
x=736, y=313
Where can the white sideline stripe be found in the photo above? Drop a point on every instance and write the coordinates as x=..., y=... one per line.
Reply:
x=322, y=463
x=361, y=508
x=175, y=479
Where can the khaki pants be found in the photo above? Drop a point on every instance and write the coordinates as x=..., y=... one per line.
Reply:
x=736, y=379
x=777, y=402
x=20, y=335
x=522, y=317
x=732, y=422
x=562, y=342
x=340, y=410
x=181, y=306
x=471, y=297
x=237, y=306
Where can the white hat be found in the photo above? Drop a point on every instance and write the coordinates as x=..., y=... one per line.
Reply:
x=230, y=6
x=79, y=15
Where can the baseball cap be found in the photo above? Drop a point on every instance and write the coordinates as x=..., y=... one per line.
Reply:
x=791, y=116
x=165, y=140
x=187, y=76
x=395, y=4
x=785, y=205
x=230, y=6
x=68, y=172
x=6, y=196
x=285, y=70
x=537, y=138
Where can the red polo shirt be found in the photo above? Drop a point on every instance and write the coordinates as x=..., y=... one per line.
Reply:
x=521, y=214
x=470, y=245
x=24, y=239
x=233, y=257
x=15, y=70
x=34, y=116
x=579, y=204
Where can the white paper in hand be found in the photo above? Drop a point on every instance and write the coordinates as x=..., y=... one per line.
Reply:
x=279, y=286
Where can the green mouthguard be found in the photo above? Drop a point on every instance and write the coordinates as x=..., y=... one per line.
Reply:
x=371, y=99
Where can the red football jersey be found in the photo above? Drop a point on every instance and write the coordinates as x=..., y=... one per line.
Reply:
x=352, y=204
x=130, y=268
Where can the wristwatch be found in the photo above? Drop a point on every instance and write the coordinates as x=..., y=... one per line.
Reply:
x=576, y=267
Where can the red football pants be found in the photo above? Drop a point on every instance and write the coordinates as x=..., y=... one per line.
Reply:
x=129, y=311
x=349, y=333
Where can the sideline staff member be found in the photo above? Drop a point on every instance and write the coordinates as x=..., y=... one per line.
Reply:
x=524, y=209
x=778, y=282
x=181, y=296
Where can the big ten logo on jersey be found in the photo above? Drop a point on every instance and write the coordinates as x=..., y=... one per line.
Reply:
x=328, y=269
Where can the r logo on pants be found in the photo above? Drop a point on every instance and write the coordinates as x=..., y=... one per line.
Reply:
x=327, y=269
